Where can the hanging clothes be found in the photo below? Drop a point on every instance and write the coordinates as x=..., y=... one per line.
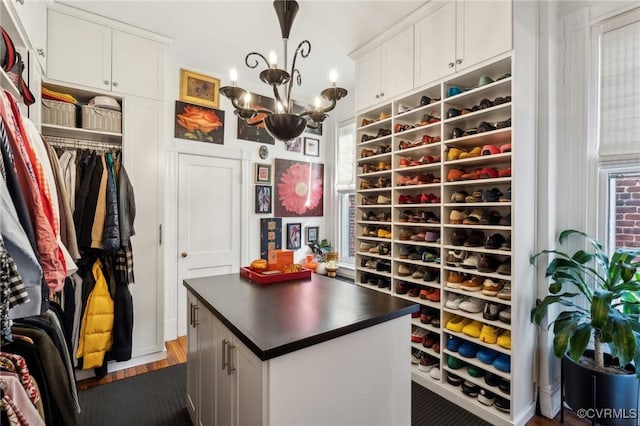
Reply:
x=12, y=290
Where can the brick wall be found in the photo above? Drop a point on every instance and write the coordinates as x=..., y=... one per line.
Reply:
x=628, y=212
x=352, y=225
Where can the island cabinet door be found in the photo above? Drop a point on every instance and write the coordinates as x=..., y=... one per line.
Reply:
x=250, y=394
x=224, y=376
x=193, y=363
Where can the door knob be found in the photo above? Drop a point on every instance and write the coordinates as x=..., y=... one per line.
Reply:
x=115, y=83
x=458, y=61
x=183, y=254
x=106, y=82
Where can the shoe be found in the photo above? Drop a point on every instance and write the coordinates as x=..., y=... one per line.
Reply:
x=455, y=257
x=453, y=112
x=415, y=356
x=494, y=241
x=454, y=279
x=426, y=315
x=488, y=334
x=383, y=233
x=475, y=371
x=491, y=195
x=504, y=386
x=474, y=219
x=472, y=305
x=505, y=316
x=383, y=200
x=413, y=292
x=453, y=301
x=403, y=108
x=459, y=196
x=427, y=362
x=505, y=148
x=453, y=343
x=470, y=389
x=502, y=404
x=490, y=287
x=429, y=257
x=418, y=334
x=454, y=380
x=492, y=379
x=366, y=246
x=434, y=295
x=425, y=100
x=489, y=173
x=455, y=363
x=475, y=239
x=504, y=172
x=486, y=397
x=504, y=268
x=435, y=373
x=491, y=311
x=490, y=217
x=402, y=287
x=432, y=236
x=455, y=175
x=472, y=329
x=468, y=349
x=490, y=150
x=429, y=217
x=473, y=175
x=487, y=356
x=405, y=270
x=456, y=217
x=485, y=127
x=503, y=363
x=506, y=246
x=504, y=340
x=429, y=340
x=471, y=262
x=457, y=323
x=484, y=80
x=487, y=263
x=503, y=124
x=474, y=197
x=506, y=197
x=475, y=152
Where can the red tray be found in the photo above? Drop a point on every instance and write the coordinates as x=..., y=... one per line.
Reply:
x=245, y=271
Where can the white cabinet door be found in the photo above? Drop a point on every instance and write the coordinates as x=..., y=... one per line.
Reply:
x=435, y=45
x=484, y=31
x=33, y=15
x=249, y=394
x=137, y=65
x=397, y=65
x=367, y=84
x=209, y=362
x=78, y=51
x=142, y=153
x=193, y=362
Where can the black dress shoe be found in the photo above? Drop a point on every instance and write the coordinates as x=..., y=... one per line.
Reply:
x=504, y=385
x=454, y=380
x=470, y=389
x=425, y=100
x=491, y=379
x=502, y=404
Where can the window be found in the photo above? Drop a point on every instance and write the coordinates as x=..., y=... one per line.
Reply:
x=617, y=41
x=345, y=188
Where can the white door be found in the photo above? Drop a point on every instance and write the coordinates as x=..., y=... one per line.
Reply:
x=397, y=65
x=137, y=65
x=208, y=221
x=435, y=45
x=367, y=84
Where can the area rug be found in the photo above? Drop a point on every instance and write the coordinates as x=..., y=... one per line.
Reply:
x=429, y=409
x=156, y=398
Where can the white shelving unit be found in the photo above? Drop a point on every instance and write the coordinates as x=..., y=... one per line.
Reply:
x=389, y=139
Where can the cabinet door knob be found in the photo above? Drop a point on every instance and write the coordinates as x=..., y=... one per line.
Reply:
x=41, y=52
x=106, y=82
x=183, y=254
x=458, y=61
x=451, y=64
x=115, y=83
x=381, y=94
x=377, y=96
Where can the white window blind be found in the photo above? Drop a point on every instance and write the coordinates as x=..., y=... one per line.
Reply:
x=620, y=87
x=345, y=151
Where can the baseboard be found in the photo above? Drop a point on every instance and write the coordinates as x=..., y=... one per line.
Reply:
x=549, y=398
x=170, y=329
x=114, y=366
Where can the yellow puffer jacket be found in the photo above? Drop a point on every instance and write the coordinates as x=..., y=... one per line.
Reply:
x=97, y=323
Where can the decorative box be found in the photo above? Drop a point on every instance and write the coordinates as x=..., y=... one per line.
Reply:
x=278, y=259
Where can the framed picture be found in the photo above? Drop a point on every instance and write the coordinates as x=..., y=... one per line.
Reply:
x=198, y=123
x=263, y=173
x=294, y=236
x=298, y=188
x=312, y=147
x=294, y=145
x=270, y=235
x=199, y=89
x=312, y=234
x=258, y=132
x=263, y=199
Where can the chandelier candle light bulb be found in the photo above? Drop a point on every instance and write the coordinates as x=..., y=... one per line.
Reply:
x=283, y=124
x=233, y=76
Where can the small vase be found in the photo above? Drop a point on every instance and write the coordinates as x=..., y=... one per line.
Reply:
x=320, y=269
x=310, y=263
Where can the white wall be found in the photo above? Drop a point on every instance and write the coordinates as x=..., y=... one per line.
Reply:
x=235, y=148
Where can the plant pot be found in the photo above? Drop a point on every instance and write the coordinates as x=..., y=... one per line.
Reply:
x=310, y=263
x=616, y=395
x=320, y=269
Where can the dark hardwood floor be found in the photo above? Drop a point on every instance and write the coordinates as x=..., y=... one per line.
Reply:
x=177, y=353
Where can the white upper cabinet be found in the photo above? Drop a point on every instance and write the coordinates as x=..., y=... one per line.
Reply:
x=89, y=54
x=385, y=72
x=459, y=35
x=33, y=15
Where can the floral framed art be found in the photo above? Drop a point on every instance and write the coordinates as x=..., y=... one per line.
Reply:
x=294, y=236
x=312, y=233
x=263, y=199
x=197, y=123
x=199, y=89
x=312, y=147
x=263, y=173
x=298, y=188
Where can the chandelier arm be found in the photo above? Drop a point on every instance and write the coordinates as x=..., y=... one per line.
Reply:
x=304, y=49
x=255, y=60
x=330, y=107
x=276, y=95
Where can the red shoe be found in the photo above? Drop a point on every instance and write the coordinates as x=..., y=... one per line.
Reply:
x=476, y=174
x=426, y=140
x=435, y=199
x=505, y=172
x=404, y=162
x=489, y=173
x=425, y=198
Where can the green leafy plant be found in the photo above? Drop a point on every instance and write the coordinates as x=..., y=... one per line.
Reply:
x=320, y=247
x=611, y=288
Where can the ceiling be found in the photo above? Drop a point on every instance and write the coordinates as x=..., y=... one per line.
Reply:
x=214, y=36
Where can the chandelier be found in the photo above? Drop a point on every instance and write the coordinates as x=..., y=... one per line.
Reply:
x=283, y=124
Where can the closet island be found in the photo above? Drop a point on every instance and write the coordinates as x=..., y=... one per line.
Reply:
x=318, y=351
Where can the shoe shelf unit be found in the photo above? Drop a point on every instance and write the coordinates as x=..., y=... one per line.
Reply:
x=434, y=209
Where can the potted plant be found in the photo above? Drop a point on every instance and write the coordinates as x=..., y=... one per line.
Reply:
x=320, y=248
x=610, y=289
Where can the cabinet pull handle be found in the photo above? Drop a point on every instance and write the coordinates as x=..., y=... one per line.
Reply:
x=106, y=82
x=451, y=64
x=224, y=353
x=115, y=83
x=191, y=314
x=41, y=52
x=458, y=61
x=232, y=367
x=195, y=315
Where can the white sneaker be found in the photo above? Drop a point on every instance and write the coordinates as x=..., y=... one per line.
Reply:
x=472, y=305
x=435, y=373
x=403, y=108
x=453, y=301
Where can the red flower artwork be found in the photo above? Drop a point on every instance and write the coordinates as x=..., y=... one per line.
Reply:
x=299, y=188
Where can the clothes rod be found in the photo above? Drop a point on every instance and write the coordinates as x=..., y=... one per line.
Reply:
x=79, y=143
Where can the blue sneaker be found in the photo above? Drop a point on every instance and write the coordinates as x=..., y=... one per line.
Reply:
x=487, y=355
x=453, y=343
x=468, y=350
x=503, y=363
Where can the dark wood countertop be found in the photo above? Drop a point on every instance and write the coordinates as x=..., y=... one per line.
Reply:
x=276, y=319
